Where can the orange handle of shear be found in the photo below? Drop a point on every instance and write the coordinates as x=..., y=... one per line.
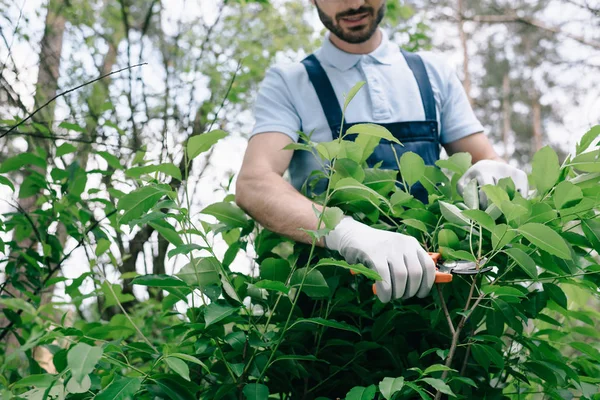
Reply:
x=440, y=277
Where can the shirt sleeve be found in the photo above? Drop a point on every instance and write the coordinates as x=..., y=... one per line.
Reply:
x=274, y=110
x=457, y=119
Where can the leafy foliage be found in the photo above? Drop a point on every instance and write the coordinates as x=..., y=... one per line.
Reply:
x=304, y=324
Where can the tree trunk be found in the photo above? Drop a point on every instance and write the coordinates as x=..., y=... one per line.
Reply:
x=46, y=88
x=506, y=107
x=49, y=63
x=537, y=122
x=464, y=43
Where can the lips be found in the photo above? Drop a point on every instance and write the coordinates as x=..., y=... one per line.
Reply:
x=355, y=19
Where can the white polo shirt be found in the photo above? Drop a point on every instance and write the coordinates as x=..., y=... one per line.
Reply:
x=287, y=101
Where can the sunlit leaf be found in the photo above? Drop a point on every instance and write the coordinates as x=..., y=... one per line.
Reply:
x=201, y=143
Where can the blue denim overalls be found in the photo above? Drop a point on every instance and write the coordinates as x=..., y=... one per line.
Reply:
x=420, y=137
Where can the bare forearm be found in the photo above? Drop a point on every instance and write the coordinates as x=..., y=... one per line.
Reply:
x=277, y=206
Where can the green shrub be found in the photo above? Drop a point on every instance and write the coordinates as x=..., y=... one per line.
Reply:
x=302, y=326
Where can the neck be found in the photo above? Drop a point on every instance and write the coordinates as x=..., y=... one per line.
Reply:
x=358, y=48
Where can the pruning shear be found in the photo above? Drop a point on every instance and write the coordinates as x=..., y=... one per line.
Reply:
x=445, y=270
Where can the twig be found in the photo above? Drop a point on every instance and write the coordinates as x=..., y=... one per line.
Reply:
x=64, y=93
x=445, y=308
x=51, y=271
x=455, y=338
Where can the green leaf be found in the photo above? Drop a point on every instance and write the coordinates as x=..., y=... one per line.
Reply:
x=501, y=236
x=495, y=194
x=199, y=144
x=121, y=388
x=481, y=217
x=139, y=201
x=82, y=359
x=352, y=93
x=587, y=349
x=110, y=159
x=400, y=197
x=459, y=163
x=389, y=386
x=452, y=214
x=546, y=239
x=159, y=280
x=5, y=181
x=216, y=312
x=358, y=268
x=19, y=161
x=591, y=230
x=485, y=354
x=349, y=190
x=588, y=139
x=75, y=387
x=503, y=291
x=440, y=385
x=437, y=368
x=347, y=168
x=272, y=285
x=314, y=282
x=545, y=169
x=415, y=223
x=362, y=393
x=556, y=294
x=167, y=231
x=524, y=261
x=542, y=370
x=191, y=359
x=328, y=150
x=37, y=380
x=372, y=130
x=457, y=254
x=179, y=367
x=256, y=391
x=227, y=213
x=114, y=296
x=18, y=304
x=417, y=389
x=202, y=272
x=332, y=216
x=447, y=238
x=471, y=194
x=102, y=246
x=586, y=162
x=65, y=148
x=275, y=269
x=169, y=169
x=328, y=323
x=71, y=126
x=412, y=167
x=567, y=195
x=185, y=249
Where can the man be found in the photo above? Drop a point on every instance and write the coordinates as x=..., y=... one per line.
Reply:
x=416, y=96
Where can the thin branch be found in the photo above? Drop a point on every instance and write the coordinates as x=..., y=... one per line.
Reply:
x=65, y=93
x=52, y=271
x=445, y=308
x=492, y=19
x=68, y=139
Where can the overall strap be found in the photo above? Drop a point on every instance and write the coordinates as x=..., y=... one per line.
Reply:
x=417, y=67
x=325, y=92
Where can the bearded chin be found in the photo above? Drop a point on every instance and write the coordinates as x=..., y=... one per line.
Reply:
x=356, y=35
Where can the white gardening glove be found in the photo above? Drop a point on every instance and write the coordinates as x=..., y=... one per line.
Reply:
x=489, y=172
x=407, y=270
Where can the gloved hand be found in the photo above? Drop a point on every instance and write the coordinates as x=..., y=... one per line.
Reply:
x=489, y=172
x=407, y=270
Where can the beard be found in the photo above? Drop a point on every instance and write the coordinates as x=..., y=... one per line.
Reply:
x=355, y=34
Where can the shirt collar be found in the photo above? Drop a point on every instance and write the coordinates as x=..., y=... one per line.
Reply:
x=343, y=61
